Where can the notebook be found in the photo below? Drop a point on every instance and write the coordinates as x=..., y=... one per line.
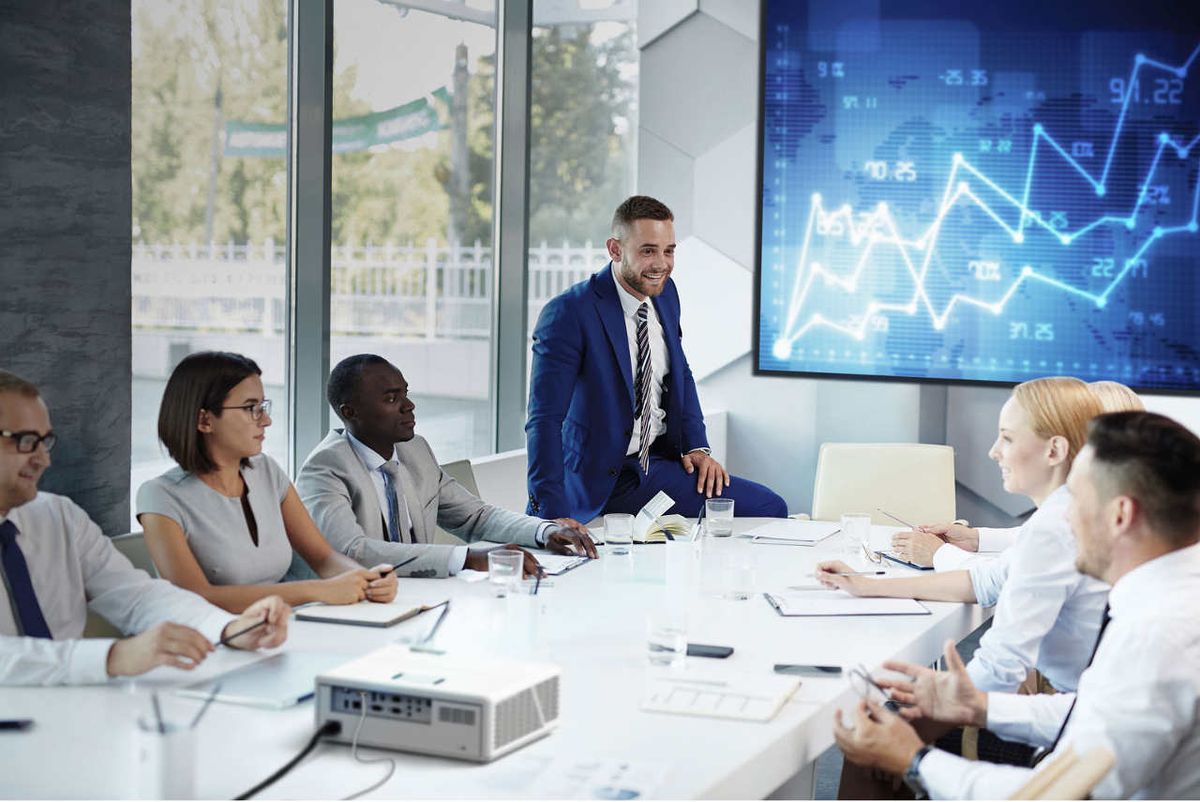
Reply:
x=789, y=532
x=838, y=602
x=651, y=526
x=274, y=682
x=406, y=605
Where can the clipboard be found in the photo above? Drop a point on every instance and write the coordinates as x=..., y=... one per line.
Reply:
x=887, y=555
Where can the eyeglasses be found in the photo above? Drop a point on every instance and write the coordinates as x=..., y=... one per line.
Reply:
x=871, y=554
x=256, y=409
x=27, y=442
x=867, y=688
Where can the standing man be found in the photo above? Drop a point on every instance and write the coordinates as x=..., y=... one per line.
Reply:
x=376, y=491
x=1136, y=514
x=55, y=564
x=613, y=412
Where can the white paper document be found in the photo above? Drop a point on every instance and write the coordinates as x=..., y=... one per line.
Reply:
x=555, y=564
x=838, y=602
x=756, y=698
x=788, y=532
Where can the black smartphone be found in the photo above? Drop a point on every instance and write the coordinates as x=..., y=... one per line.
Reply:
x=16, y=723
x=706, y=650
x=808, y=670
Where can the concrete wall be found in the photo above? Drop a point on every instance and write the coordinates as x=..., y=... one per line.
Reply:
x=65, y=229
x=698, y=153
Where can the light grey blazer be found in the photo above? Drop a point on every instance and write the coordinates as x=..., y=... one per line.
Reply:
x=340, y=495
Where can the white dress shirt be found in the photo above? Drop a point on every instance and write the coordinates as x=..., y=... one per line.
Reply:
x=659, y=362
x=991, y=542
x=1140, y=698
x=73, y=566
x=374, y=463
x=1047, y=613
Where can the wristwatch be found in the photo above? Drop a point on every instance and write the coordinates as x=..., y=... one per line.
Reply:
x=912, y=775
x=702, y=450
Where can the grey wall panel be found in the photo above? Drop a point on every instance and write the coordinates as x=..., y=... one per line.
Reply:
x=697, y=84
x=65, y=229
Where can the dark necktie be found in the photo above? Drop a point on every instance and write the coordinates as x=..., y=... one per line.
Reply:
x=16, y=571
x=1103, y=626
x=641, y=385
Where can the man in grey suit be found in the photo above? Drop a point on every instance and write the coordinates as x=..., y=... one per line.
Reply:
x=376, y=491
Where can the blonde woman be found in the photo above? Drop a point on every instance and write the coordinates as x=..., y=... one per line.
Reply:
x=949, y=547
x=1047, y=613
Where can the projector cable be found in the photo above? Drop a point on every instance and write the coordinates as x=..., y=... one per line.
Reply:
x=328, y=728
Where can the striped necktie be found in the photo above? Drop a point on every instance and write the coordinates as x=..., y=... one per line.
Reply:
x=641, y=385
x=16, y=573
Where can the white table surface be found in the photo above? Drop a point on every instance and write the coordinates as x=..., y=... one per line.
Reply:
x=592, y=623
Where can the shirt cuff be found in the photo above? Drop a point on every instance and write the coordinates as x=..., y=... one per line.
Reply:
x=950, y=558
x=543, y=533
x=941, y=774
x=458, y=560
x=89, y=661
x=994, y=540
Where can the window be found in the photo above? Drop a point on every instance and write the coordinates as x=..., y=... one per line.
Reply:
x=583, y=148
x=413, y=159
x=209, y=200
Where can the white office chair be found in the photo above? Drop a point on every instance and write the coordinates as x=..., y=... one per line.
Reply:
x=912, y=481
x=1068, y=776
x=460, y=471
x=502, y=479
x=133, y=546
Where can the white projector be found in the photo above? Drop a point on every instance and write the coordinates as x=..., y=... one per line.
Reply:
x=436, y=704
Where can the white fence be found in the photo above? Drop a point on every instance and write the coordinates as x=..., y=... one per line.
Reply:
x=406, y=291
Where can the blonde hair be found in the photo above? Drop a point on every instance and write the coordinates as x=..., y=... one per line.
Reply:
x=1116, y=397
x=1059, y=406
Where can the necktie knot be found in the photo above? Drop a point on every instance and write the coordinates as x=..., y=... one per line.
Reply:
x=390, y=468
x=8, y=533
x=643, y=312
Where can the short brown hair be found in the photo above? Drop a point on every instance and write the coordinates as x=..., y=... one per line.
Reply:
x=12, y=383
x=1059, y=406
x=200, y=381
x=638, y=207
x=1156, y=461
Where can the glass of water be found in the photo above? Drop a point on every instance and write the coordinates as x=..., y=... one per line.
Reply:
x=718, y=516
x=856, y=529
x=504, y=570
x=618, y=532
x=666, y=639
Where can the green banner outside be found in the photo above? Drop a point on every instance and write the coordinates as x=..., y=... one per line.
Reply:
x=352, y=134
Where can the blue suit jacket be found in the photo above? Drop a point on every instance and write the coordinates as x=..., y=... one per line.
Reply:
x=581, y=407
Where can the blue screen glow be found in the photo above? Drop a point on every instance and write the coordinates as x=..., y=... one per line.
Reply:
x=981, y=191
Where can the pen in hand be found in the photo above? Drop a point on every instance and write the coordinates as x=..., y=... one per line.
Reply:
x=225, y=641
x=854, y=573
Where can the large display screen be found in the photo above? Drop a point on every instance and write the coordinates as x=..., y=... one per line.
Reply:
x=980, y=191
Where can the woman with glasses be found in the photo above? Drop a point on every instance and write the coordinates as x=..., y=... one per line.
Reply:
x=224, y=522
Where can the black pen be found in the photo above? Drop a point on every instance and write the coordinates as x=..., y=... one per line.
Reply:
x=400, y=565
x=225, y=641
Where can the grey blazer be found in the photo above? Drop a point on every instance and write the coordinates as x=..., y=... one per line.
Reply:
x=340, y=496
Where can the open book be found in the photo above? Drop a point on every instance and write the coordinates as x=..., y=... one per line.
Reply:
x=651, y=526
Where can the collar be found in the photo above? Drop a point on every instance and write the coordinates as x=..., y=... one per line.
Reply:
x=629, y=304
x=367, y=455
x=1153, y=586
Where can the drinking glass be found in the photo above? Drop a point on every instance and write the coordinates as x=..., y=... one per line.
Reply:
x=666, y=639
x=504, y=570
x=618, y=532
x=718, y=516
x=856, y=529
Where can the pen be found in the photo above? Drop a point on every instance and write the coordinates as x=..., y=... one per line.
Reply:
x=537, y=583
x=897, y=520
x=854, y=573
x=162, y=728
x=401, y=564
x=204, y=708
x=225, y=641
x=714, y=683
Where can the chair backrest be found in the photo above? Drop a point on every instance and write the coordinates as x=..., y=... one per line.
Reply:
x=133, y=546
x=1068, y=776
x=461, y=472
x=912, y=481
x=502, y=479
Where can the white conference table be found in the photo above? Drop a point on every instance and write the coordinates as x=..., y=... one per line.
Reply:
x=591, y=622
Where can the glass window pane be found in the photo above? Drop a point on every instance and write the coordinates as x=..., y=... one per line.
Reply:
x=209, y=110
x=413, y=142
x=583, y=138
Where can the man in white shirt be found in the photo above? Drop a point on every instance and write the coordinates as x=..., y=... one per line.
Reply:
x=55, y=563
x=1136, y=513
x=377, y=493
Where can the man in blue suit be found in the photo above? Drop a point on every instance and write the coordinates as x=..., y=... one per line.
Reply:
x=613, y=412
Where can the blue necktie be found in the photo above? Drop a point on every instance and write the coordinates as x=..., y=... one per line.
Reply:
x=393, y=515
x=16, y=571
